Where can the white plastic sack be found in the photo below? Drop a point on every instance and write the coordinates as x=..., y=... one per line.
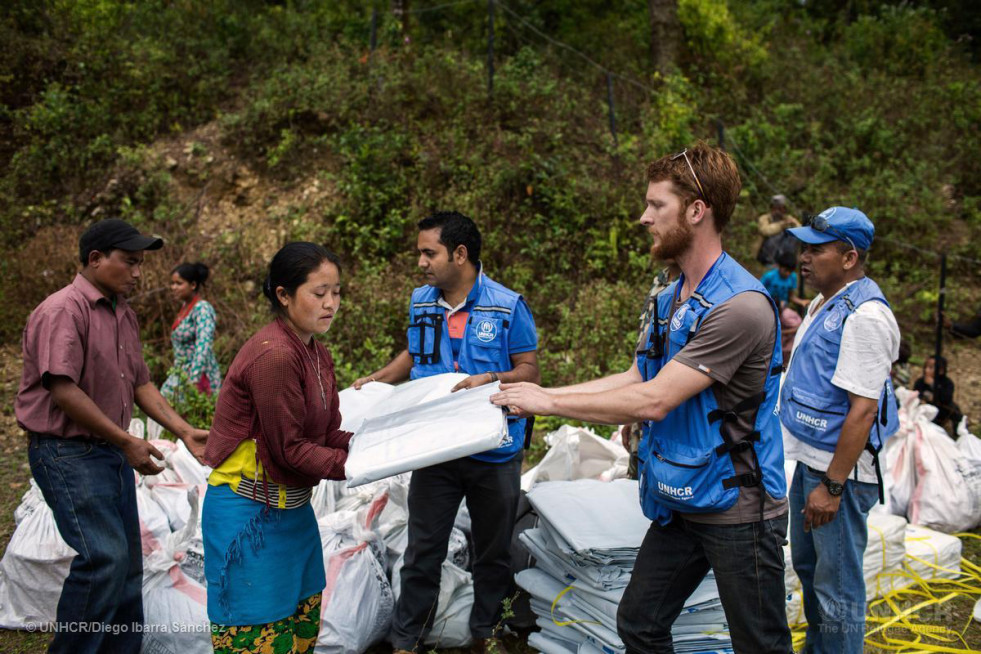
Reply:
x=578, y=453
x=172, y=498
x=154, y=524
x=451, y=626
x=175, y=605
x=189, y=469
x=358, y=602
x=948, y=490
x=435, y=431
x=168, y=475
x=28, y=503
x=137, y=428
x=34, y=567
x=968, y=443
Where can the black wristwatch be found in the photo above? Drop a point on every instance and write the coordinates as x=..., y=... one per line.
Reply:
x=835, y=488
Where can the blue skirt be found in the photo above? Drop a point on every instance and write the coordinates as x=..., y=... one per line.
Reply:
x=259, y=562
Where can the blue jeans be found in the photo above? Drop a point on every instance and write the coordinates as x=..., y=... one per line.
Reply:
x=828, y=561
x=747, y=560
x=92, y=492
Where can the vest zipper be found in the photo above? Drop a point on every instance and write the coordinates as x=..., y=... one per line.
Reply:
x=679, y=465
x=814, y=408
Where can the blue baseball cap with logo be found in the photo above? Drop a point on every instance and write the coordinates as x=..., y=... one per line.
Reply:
x=838, y=224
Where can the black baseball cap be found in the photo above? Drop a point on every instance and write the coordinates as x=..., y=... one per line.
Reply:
x=113, y=233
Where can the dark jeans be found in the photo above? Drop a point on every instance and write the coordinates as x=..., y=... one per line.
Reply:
x=748, y=563
x=491, y=491
x=92, y=493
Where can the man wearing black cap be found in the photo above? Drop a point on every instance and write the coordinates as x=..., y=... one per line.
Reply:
x=83, y=371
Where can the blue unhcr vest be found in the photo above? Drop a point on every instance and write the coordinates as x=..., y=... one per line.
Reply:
x=811, y=407
x=484, y=347
x=685, y=459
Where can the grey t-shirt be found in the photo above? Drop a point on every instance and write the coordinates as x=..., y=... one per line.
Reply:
x=733, y=347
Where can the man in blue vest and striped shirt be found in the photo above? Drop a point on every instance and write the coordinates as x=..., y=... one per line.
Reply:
x=461, y=321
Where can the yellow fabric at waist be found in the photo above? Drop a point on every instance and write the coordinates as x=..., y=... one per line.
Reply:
x=243, y=462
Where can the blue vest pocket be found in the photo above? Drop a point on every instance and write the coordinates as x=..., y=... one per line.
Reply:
x=690, y=484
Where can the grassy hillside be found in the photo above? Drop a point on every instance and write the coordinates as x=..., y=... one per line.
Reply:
x=231, y=127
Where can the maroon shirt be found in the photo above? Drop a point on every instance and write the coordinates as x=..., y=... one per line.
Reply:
x=271, y=394
x=75, y=333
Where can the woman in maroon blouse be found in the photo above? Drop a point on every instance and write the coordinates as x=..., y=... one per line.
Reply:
x=275, y=435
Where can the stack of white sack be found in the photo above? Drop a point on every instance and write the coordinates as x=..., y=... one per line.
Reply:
x=37, y=559
x=418, y=424
x=175, y=599
x=930, y=479
x=357, y=603
x=585, y=546
x=578, y=453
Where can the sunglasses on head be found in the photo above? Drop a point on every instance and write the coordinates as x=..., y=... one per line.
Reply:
x=684, y=153
x=821, y=224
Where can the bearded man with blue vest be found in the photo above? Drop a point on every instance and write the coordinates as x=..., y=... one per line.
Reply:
x=837, y=408
x=705, y=386
x=461, y=321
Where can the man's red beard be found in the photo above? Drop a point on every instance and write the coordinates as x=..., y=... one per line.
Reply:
x=675, y=242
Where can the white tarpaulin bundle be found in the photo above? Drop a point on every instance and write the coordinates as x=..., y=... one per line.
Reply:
x=419, y=424
x=585, y=545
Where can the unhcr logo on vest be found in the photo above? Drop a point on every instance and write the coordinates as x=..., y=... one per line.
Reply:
x=486, y=331
x=677, y=492
x=812, y=421
x=679, y=317
x=833, y=320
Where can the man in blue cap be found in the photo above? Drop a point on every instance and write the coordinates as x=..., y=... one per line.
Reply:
x=837, y=408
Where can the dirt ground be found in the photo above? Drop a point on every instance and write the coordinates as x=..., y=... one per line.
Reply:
x=965, y=364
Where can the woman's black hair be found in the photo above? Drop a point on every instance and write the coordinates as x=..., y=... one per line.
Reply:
x=291, y=266
x=196, y=273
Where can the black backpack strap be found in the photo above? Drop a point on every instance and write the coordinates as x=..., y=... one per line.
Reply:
x=423, y=322
x=729, y=446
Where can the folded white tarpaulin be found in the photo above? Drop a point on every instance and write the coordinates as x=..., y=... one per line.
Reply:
x=376, y=399
x=604, y=578
x=434, y=431
x=595, y=522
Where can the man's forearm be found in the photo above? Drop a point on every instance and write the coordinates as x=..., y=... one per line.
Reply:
x=608, y=383
x=156, y=406
x=618, y=406
x=521, y=372
x=86, y=413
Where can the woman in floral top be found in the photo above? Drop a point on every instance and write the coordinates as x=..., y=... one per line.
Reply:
x=193, y=332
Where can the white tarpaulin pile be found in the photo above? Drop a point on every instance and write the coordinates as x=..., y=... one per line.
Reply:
x=585, y=545
x=419, y=424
